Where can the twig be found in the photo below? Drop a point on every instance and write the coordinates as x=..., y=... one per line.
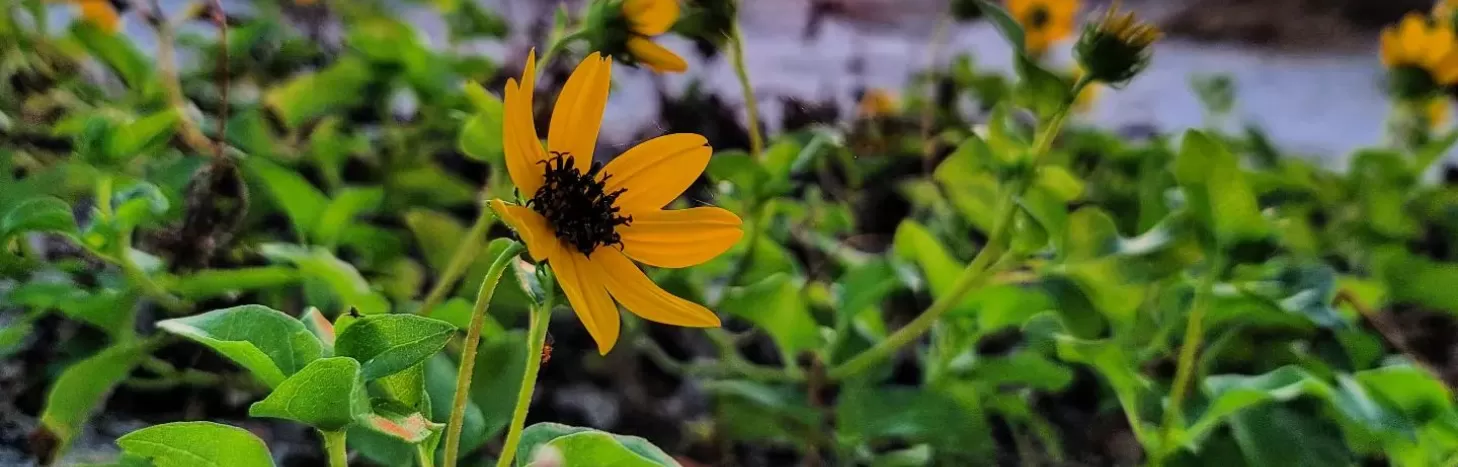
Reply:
x=192, y=135
x=928, y=109
x=221, y=19
x=1389, y=331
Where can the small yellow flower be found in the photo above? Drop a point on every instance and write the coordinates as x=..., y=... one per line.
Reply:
x=100, y=13
x=591, y=222
x=1044, y=21
x=1422, y=56
x=1436, y=112
x=648, y=18
x=876, y=102
x=1117, y=47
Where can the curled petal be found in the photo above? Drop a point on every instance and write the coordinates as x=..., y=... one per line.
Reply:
x=641, y=296
x=532, y=227
x=655, y=57
x=650, y=17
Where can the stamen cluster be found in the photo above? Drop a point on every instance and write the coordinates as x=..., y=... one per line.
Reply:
x=574, y=202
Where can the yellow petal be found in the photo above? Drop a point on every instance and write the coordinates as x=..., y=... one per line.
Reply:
x=655, y=57
x=655, y=172
x=519, y=132
x=577, y=116
x=682, y=237
x=582, y=283
x=650, y=17
x=100, y=14
x=1391, y=48
x=1414, y=33
x=641, y=296
x=532, y=227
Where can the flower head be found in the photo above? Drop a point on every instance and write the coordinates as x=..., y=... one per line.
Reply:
x=100, y=13
x=591, y=222
x=1420, y=55
x=623, y=29
x=1116, y=48
x=1044, y=21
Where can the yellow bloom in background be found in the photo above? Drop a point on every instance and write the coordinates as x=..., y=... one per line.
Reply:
x=1044, y=21
x=1422, y=55
x=648, y=18
x=100, y=13
x=1436, y=113
x=591, y=222
x=876, y=102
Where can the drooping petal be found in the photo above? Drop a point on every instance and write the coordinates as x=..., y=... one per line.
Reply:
x=656, y=171
x=582, y=283
x=577, y=115
x=655, y=57
x=681, y=237
x=650, y=17
x=532, y=227
x=641, y=296
x=519, y=132
x=101, y=14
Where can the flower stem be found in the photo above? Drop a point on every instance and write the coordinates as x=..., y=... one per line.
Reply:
x=988, y=260
x=468, y=354
x=172, y=86
x=335, y=446
x=465, y=252
x=541, y=315
x=756, y=141
x=1185, y=369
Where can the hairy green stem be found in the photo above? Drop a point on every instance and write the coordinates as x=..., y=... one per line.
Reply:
x=465, y=252
x=751, y=105
x=1185, y=369
x=424, y=455
x=981, y=267
x=121, y=257
x=334, y=444
x=541, y=316
x=468, y=354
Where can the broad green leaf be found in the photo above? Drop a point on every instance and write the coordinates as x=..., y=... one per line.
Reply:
x=39, y=214
x=1279, y=435
x=341, y=211
x=588, y=447
x=776, y=305
x=430, y=184
x=500, y=364
x=328, y=394
x=755, y=412
x=388, y=344
x=120, y=55
x=873, y=415
x=83, y=386
x=210, y=283
x=137, y=204
x=1040, y=90
x=1216, y=189
x=481, y=137
x=1110, y=361
x=1005, y=24
x=437, y=234
x=130, y=139
x=406, y=387
x=189, y=444
x=1414, y=279
x=739, y=170
x=300, y=200
x=913, y=241
x=313, y=95
x=1412, y=391
x=267, y=342
x=342, y=278
x=864, y=287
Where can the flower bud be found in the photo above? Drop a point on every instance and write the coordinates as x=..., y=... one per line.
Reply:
x=1116, y=48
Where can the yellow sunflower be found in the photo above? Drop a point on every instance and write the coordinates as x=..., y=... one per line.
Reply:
x=1044, y=21
x=648, y=18
x=100, y=13
x=591, y=222
x=876, y=102
x=1421, y=54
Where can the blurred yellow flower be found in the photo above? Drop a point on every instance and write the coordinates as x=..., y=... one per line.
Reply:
x=1044, y=21
x=1444, y=9
x=590, y=221
x=100, y=13
x=1436, y=112
x=648, y=18
x=876, y=102
x=1416, y=44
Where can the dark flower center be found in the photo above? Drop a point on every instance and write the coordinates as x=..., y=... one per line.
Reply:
x=1039, y=17
x=574, y=203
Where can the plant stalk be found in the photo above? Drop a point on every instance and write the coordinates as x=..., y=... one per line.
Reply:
x=751, y=105
x=1189, y=347
x=334, y=444
x=468, y=354
x=541, y=316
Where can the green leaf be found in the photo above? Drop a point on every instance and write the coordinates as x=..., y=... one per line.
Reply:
x=388, y=344
x=500, y=365
x=1040, y=90
x=312, y=95
x=270, y=344
x=341, y=211
x=133, y=138
x=210, y=283
x=137, y=204
x=585, y=447
x=119, y=54
x=481, y=137
x=83, y=386
x=867, y=415
x=328, y=394
x=1278, y=435
x=39, y=214
x=1414, y=279
x=776, y=305
x=755, y=412
x=188, y=444
x=1217, y=192
x=342, y=278
x=1005, y=24
x=437, y=234
x=413, y=428
x=1111, y=362
x=440, y=385
x=739, y=170
x=300, y=200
